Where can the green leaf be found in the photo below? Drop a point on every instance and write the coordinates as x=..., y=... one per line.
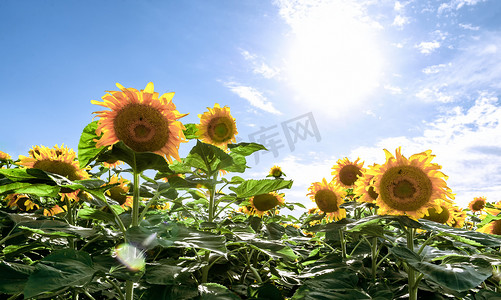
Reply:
x=335, y=285
x=139, y=161
x=254, y=187
x=266, y=291
x=245, y=149
x=95, y=214
x=13, y=277
x=214, y=291
x=466, y=236
x=32, y=175
x=190, y=132
x=38, y=189
x=52, y=227
x=87, y=151
x=457, y=273
x=58, y=271
x=207, y=158
x=168, y=272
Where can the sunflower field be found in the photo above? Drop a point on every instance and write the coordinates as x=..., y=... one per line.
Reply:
x=125, y=217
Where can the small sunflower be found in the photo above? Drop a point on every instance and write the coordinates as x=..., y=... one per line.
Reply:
x=328, y=197
x=112, y=164
x=54, y=210
x=477, y=204
x=119, y=192
x=217, y=127
x=346, y=172
x=142, y=120
x=263, y=204
x=444, y=216
x=459, y=217
x=4, y=156
x=410, y=186
x=493, y=227
x=276, y=172
x=58, y=160
x=364, y=187
x=22, y=202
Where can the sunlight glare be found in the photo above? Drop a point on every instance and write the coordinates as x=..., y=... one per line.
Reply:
x=334, y=62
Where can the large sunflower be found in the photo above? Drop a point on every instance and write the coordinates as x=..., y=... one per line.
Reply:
x=142, y=120
x=364, y=187
x=410, y=186
x=58, y=160
x=346, y=172
x=263, y=204
x=328, y=197
x=217, y=127
x=477, y=204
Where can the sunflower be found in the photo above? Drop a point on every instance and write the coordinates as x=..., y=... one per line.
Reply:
x=112, y=164
x=493, y=227
x=217, y=127
x=142, y=120
x=409, y=186
x=276, y=172
x=444, y=216
x=459, y=217
x=364, y=187
x=477, y=204
x=328, y=197
x=22, y=202
x=346, y=172
x=4, y=156
x=119, y=192
x=263, y=204
x=58, y=160
x=54, y=210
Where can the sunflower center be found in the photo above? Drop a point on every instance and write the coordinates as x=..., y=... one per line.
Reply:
x=220, y=129
x=265, y=202
x=478, y=205
x=58, y=167
x=438, y=217
x=118, y=194
x=348, y=174
x=326, y=201
x=405, y=188
x=372, y=193
x=141, y=127
x=496, y=227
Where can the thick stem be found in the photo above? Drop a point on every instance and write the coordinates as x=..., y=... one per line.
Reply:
x=412, y=282
x=129, y=290
x=135, y=200
x=343, y=243
x=374, y=254
x=71, y=221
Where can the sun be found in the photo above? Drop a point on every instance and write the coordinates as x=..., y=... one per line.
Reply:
x=335, y=61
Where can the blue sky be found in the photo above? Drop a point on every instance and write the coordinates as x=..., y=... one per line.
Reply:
x=369, y=74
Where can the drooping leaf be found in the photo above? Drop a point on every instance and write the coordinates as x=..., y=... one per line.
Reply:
x=335, y=285
x=254, y=187
x=214, y=291
x=87, y=150
x=13, y=277
x=139, y=161
x=208, y=158
x=245, y=149
x=58, y=271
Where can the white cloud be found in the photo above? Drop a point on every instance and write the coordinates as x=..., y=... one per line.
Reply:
x=259, y=66
x=435, y=94
x=467, y=144
x=457, y=4
x=428, y=47
x=394, y=90
x=469, y=27
x=435, y=68
x=253, y=96
x=400, y=21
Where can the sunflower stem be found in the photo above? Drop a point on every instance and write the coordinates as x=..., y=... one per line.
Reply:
x=343, y=243
x=374, y=254
x=129, y=285
x=71, y=221
x=212, y=208
x=412, y=281
x=129, y=290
